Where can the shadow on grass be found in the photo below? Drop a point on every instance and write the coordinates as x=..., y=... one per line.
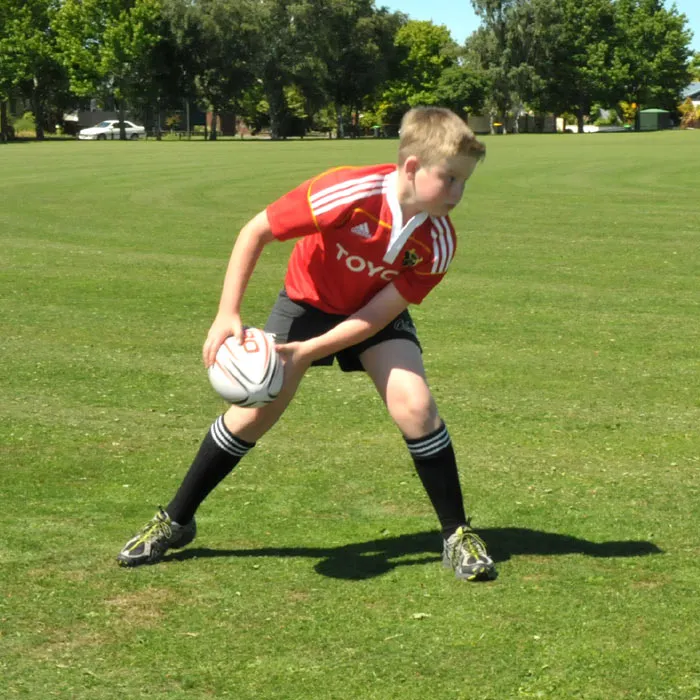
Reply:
x=31, y=139
x=365, y=560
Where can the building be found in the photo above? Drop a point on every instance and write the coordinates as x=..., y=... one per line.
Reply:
x=692, y=92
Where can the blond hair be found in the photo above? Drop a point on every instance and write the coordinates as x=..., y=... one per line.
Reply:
x=435, y=133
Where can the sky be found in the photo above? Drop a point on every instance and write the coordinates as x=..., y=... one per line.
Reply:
x=458, y=15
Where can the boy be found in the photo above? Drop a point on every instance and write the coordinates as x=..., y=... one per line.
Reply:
x=372, y=241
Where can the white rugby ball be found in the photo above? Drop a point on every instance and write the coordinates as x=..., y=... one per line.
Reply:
x=248, y=374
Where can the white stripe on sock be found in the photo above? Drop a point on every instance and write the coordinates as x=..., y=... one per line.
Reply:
x=227, y=442
x=430, y=446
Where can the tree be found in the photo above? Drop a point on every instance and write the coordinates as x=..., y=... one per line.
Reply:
x=461, y=88
x=491, y=49
x=694, y=67
x=106, y=47
x=508, y=49
x=583, y=66
x=482, y=53
x=224, y=42
x=424, y=51
x=353, y=68
x=13, y=60
x=166, y=76
x=28, y=58
x=654, y=48
x=288, y=31
x=428, y=49
x=530, y=36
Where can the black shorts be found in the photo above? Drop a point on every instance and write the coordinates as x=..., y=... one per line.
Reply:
x=293, y=321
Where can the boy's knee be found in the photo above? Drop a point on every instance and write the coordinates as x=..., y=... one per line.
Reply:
x=415, y=413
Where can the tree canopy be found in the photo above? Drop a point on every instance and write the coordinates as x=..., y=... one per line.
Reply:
x=291, y=64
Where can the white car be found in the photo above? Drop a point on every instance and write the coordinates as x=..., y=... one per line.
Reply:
x=110, y=130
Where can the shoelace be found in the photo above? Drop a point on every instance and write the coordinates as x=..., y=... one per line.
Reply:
x=473, y=543
x=475, y=546
x=156, y=527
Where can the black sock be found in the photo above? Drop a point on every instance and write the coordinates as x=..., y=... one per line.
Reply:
x=436, y=465
x=218, y=454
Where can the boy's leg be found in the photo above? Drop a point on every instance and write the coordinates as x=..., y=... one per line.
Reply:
x=228, y=440
x=396, y=368
x=230, y=437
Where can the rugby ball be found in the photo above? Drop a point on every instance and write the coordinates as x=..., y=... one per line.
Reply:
x=248, y=374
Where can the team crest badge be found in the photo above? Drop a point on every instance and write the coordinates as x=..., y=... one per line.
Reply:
x=411, y=258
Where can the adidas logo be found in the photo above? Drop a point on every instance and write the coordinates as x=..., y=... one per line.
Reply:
x=362, y=230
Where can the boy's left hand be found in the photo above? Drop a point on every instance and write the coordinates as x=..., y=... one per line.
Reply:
x=296, y=356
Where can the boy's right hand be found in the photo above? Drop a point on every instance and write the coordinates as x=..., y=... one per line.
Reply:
x=224, y=325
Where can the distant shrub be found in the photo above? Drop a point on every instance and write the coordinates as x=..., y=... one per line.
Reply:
x=25, y=125
x=690, y=115
x=173, y=122
x=629, y=111
x=173, y=136
x=607, y=117
x=604, y=116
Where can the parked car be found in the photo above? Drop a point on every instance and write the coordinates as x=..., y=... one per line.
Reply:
x=110, y=130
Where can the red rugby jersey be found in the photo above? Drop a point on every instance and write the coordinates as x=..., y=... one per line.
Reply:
x=354, y=240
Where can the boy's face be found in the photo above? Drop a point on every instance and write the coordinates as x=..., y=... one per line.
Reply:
x=437, y=189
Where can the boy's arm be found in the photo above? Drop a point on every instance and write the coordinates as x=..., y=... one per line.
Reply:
x=254, y=236
x=384, y=306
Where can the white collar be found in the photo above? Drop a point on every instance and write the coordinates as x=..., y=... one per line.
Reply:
x=399, y=231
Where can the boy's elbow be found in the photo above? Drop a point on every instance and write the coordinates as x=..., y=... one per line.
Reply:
x=258, y=228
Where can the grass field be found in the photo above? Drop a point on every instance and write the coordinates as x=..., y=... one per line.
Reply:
x=563, y=348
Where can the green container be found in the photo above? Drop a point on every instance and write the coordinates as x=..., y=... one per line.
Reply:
x=654, y=119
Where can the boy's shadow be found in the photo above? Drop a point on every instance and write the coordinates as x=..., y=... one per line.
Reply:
x=365, y=560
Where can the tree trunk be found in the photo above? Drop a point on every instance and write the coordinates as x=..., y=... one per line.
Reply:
x=579, y=120
x=275, y=98
x=340, y=129
x=4, y=130
x=356, y=123
x=212, y=129
x=38, y=109
x=159, y=117
x=122, y=127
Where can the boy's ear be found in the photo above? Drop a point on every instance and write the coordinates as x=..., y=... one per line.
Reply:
x=410, y=167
